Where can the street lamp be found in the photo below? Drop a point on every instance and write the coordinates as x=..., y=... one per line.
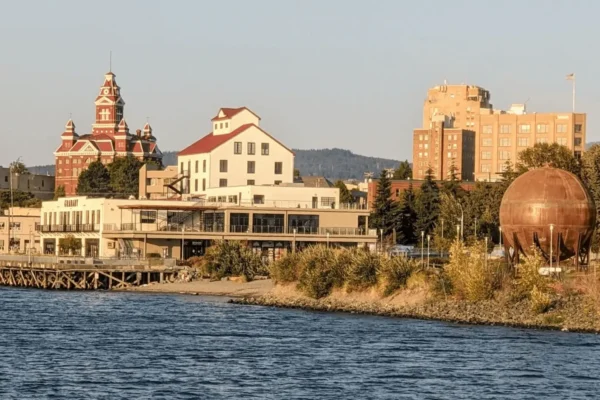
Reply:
x=422, y=245
x=428, y=239
x=327, y=239
x=551, y=235
x=182, y=240
x=294, y=246
x=10, y=214
x=462, y=221
x=500, y=229
x=457, y=232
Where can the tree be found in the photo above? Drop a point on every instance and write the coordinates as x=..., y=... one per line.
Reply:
x=17, y=167
x=125, y=176
x=452, y=184
x=345, y=195
x=449, y=216
x=296, y=173
x=385, y=210
x=407, y=217
x=69, y=245
x=427, y=204
x=59, y=192
x=554, y=154
x=404, y=171
x=94, y=181
x=19, y=199
x=590, y=174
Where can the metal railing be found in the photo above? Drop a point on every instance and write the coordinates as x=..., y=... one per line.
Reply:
x=64, y=228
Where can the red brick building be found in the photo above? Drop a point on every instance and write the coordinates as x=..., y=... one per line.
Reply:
x=109, y=139
x=398, y=187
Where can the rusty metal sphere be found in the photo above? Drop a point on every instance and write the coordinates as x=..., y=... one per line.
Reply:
x=542, y=197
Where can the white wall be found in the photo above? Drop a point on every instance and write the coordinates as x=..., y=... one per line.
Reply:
x=277, y=196
x=237, y=167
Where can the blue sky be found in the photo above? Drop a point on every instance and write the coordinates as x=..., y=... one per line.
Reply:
x=328, y=73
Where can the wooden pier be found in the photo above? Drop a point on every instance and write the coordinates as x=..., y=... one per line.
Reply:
x=86, y=277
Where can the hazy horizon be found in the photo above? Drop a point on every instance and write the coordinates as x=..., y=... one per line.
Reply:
x=343, y=74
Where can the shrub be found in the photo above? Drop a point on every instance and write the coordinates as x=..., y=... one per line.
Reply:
x=231, y=258
x=394, y=273
x=69, y=245
x=153, y=255
x=529, y=276
x=361, y=272
x=286, y=269
x=317, y=272
x=540, y=301
x=470, y=276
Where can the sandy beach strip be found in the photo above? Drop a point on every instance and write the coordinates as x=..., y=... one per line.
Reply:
x=215, y=288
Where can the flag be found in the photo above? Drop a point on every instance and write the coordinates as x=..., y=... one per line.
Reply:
x=571, y=77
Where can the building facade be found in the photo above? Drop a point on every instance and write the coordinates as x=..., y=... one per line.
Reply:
x=136, y=228
x=236, y=153
x=41, y=186
x=158, y=183
x=441, y=148
x=19, y=230
x=499, y=135
x=109, y=139
x=399, y=186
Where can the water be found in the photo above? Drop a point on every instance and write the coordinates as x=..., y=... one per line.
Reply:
x=94, y=345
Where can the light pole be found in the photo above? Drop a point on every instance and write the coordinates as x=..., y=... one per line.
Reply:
x=328, y=240
x=462, y=222
x=428, y=239
x=500, y=229
x=551, y=236
x=10, y=214
x=457, y=232
x=182, y=240
x=294, y=245
x=381, y=240
x=422, y=245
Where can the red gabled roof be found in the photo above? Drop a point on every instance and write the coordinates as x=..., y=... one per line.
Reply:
x=104, y=146
x=210, y=142
x=231, y=112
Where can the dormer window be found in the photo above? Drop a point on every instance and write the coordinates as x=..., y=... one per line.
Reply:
x=226, y=124
x=221, y=125
x=216, y=126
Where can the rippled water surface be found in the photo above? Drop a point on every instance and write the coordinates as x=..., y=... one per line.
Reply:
x=93, y=345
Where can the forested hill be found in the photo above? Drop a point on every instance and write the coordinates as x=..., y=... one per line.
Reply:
x=331, y=163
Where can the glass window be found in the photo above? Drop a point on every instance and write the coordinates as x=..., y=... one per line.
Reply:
x=203, y=184
x=486, y=168
x=542, y=128
x=277, y=182
x=577, y=141
x=264, y=149
x=504, y=128
x=504, y=155
x=237, y=147
x=561, y=128
x=196, y=185
x=486, y=129
x=147, y=217
x=203, y=165
x=251, y=167
x=524, y=128
x=486, y=155
x=250, y=182
x=523, y=142
x=278, y=168
x=303, y=224
x=541, y=140
x=578, y=128
x=327, y=201
x=222, y=182
x=223, y=166
x=267, y=223
x=504, y=142
x=486, y=142
x=562, y=141
x=196, y=169
x=251, y=148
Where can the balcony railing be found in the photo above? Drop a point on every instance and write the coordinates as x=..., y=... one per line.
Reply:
x=71, y=228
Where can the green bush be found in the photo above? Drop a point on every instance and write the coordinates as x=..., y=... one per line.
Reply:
x=540, y=301
x=470, y=276
x=153, y=255
x=317, y=273
x=361, y=272
x=286, y=269
x=231, y=258
x=529, y=276
x=394, y=273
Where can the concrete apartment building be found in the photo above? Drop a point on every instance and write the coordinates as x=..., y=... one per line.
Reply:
x=41, y=186
x=499, y=135
x=19, y=230
x=236, y=153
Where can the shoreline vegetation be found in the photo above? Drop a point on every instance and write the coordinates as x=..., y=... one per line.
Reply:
x=470, y=288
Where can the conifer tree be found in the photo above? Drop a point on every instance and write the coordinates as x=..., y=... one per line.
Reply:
x=345, y=195
x=427, y=204
x=407, y=217
x=94, y=181
x=385, y=210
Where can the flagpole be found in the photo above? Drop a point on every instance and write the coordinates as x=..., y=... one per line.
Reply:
x=573, y=93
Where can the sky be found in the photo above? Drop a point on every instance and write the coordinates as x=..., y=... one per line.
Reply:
x=321, y=73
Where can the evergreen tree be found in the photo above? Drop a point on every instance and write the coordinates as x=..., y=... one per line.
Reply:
x=345, y=195
x=407, y=217
x=590, y=173
x=404, y=171
x=385, y=210
x=125, y=176
x=94, y=181
x=59, y=192
x=452, y=184
x=427, y=204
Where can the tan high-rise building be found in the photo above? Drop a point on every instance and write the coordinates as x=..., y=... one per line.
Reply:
x=499, y=136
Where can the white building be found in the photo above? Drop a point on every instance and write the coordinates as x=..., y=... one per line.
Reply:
x=236, y=153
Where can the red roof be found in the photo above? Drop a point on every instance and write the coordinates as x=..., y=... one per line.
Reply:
x=104, y=146
x=230, y=112
x=210, y=142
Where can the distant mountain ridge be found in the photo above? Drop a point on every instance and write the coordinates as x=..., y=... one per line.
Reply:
x=331, y=163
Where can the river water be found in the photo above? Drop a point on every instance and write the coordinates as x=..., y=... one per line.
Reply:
x=98, y=345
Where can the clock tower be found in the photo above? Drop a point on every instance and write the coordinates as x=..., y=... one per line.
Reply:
x=109, y=107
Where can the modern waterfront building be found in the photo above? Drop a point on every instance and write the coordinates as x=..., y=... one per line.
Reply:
x=236, y=153
x=136, y=228
x=109, y=139
x=499, y=135
x=19, y=230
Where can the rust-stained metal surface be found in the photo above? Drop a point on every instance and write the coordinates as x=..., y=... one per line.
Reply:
x=545, y=196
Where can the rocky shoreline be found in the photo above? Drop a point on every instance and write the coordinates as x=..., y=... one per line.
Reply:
x=570, y=315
